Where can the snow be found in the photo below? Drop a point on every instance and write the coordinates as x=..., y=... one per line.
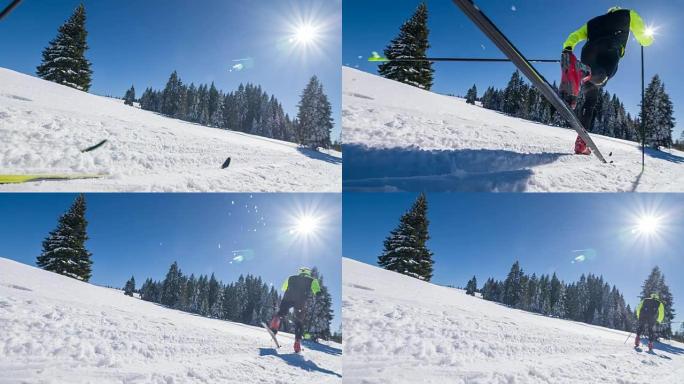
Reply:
x=43, y=127
x=401, y=330
x=58, y=330
x=398, y=137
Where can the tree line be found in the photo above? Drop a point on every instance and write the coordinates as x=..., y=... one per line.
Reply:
x=248, y=109
x=589, y=300
x=249, y=300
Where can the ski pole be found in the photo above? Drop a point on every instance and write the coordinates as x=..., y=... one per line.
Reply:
x=9, y=8
x=628, y=336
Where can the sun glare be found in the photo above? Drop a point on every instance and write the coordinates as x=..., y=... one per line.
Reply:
x=306, y=225
x=647, y=225
x=305, y=34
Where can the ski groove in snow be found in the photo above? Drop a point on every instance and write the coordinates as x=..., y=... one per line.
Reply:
x=401, y=138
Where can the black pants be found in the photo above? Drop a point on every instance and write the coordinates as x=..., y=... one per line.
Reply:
x=646, y=325
x=299, y=314
x=603, y=60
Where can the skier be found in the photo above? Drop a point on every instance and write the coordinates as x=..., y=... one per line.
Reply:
x=650, y=310
x=606, y=37
x=296, y=290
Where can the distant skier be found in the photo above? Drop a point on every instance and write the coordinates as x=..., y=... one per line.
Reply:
x=296, y=290
x=606, y=37
x=648, y=312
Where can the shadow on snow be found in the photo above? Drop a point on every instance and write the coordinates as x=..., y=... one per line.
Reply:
x=297, y=360
x=415, y=169
x=314, y=154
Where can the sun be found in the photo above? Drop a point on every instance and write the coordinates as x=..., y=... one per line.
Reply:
x=647, y=225
x=306, y=225
x=305, y=34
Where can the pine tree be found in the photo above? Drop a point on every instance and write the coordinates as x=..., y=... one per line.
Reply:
x=655, y=283
x=129, y=98
x=657, y=115
x=405, y=249
x=64, y=59
x=320, y=313
x=471, y=287
x=471, y=95
x=171, y=287
x=129, y=289
x=64, y=249
x=314, y=116
x=513, y=285
x=411, y=43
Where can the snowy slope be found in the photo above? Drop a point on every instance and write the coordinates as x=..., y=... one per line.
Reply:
x=399, y=137
x=58, y=330
x=401, y=330
x=43, y=126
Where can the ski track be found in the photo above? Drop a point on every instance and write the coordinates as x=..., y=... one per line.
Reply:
x=43, y=127
x=57, y=330
x=402, y=330
x=400, y=138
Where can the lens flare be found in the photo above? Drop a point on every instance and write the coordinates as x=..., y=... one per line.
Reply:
x=647, y=225
x=305, y=34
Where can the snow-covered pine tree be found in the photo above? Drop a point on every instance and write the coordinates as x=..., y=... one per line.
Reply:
x=515, y=95
x=471, y=95
x=655, y=283
x=314, y=116
x=512, y=285
x=411, y=43
x=171, y=287
x=319, y=308
x=64, y=250
x=657, y=115
x=405, y=249
x=471, y=286
x=129, y=98
x=129, y=288
x=64, y=59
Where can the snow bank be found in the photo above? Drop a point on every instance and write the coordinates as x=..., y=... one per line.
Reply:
x=401, y=330
x=54, y=329
x=398, y=137
x=43, y=127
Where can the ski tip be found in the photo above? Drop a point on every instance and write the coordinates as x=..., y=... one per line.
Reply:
x=226, y=163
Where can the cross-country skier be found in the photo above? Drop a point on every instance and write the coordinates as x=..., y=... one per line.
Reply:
x=296, y=288
x=650, y=310
x=606, y=37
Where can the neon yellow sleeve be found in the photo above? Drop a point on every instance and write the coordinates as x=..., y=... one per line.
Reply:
x=284, y=287
x=576, y=37
x=637, y=26
x=638, y=309
x=661, y=312
x=315, y=286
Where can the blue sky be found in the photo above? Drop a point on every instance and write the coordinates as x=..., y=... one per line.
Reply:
x=142, y=42
x=142, y=234
x=537, y=27
x=483, y=234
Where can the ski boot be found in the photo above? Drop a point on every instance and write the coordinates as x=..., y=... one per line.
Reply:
x=297, y=346
x=581, y=147
x=275, y=324
x=637, y=341
x=650, y=346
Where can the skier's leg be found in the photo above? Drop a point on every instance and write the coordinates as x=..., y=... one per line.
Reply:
x=640, y=329
x=651, y=334
x=285, y=306
x=300, y=316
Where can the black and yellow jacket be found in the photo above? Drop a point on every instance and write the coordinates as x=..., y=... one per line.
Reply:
x=612, y=29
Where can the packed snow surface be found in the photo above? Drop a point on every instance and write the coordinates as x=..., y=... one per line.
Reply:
x=43, y=127
x=398, y=329
x=398, y=137
x=54, y=329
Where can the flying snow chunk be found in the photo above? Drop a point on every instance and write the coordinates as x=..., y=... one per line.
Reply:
x=513, y=8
